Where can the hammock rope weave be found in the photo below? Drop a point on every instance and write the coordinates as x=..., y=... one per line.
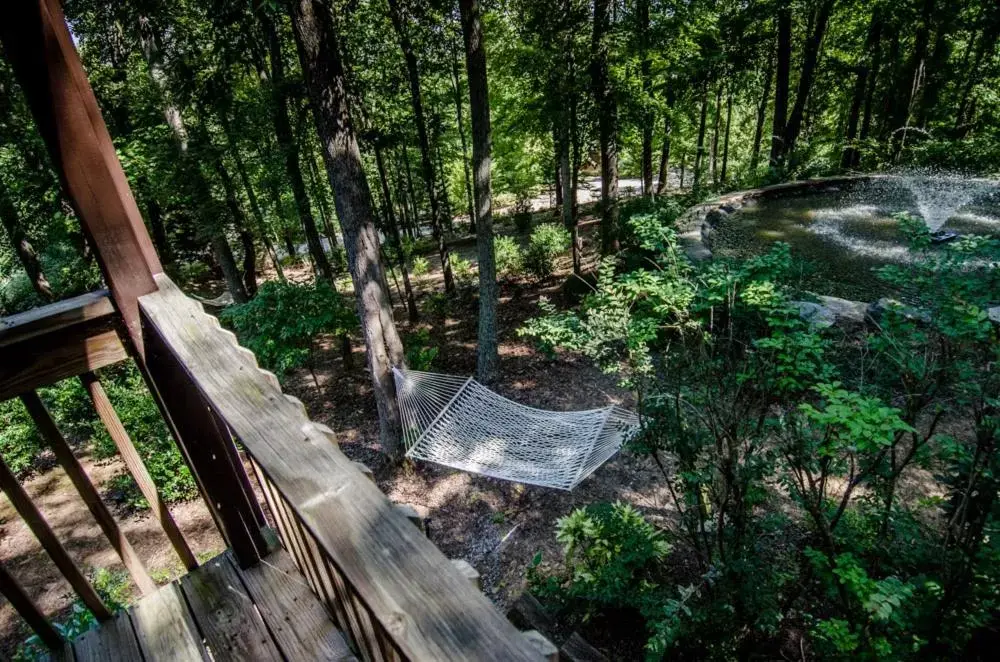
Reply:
x=459, y=423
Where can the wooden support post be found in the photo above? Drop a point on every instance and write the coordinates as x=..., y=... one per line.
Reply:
x=410, y=513
x=26, y=508
x=206, y=448
x=546, y=649
x=64, y=454
x=14, y=592
x=130, y=456
x=466, y=570
x=38, y=45
x=366, y=470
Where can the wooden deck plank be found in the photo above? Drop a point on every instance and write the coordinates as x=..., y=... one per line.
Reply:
x=298, y=622
x=225, y=614
x=114, y=640
x=165, y=629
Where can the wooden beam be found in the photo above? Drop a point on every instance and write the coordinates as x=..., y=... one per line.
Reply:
x=414, y=595
x=64, y=454
x=14, y=592
x=39, y=47
x=86, y=308
x=130, y=456
x=26, y=508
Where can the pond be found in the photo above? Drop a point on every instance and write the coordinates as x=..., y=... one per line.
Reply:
x=841, y=235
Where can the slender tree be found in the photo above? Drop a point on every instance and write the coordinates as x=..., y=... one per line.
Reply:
x=319, y=52
x=22, y=248
x=607, y=122
x=783, y=59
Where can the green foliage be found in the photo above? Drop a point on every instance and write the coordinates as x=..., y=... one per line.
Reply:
x=509, y=257
x=462, y=270
x=545, y=244
x=420, y=266
x=420, y=354
x=522, y=214
x=283, y=322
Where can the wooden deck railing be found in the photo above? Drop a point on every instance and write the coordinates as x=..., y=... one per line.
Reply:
x=73, y=339
x=385, y=584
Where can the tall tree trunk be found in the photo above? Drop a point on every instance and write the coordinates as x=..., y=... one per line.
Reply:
x=936, y=69
x=851, y=153
x=487, y=358
x=607, y=122
x=290, y=149
x=411, y=191
x=319, y=193
x=22, y=247
x=426, y=162
x=987, y=44
x=808, y=74
x=319, y=52
x=699, y=154
x=871, y=85
x=783, y=58
x=909, y=83
x=154, y=213
x=397, y=241
x=248, y=273
x=761, y=116
x=645, y=73
x=457, y=86
x=230, y=272
x=446, y=210
x=664, y=177
x=725, y=145
x=716, y=126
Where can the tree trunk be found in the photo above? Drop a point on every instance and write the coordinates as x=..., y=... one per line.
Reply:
x=716, y=125
x=699, y=154
x=487, y=358
x=319, y=52
x=290, y=149
x=761, y=116
x=607, y=122
x=908, y=84
x=664, y=177
x=470, y=198
x=426, y=162
x=411, y=301
x=23, y=248
x=809, y=61
x=645, y=72
x=783, y=57
x=725, y=145
x=155, y=216
x=987, y=44
x=248, y=274
x=851, y=154
x=230, y=273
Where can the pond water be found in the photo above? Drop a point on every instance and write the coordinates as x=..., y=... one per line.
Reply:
x=842, y=234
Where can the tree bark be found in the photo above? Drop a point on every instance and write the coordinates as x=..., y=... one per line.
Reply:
x=487, y=357
x=851, y=153
x=290, y=149
x=761, y=115
x=470, y=198
x=411, y=301
x=645, y=72
x=230, y=273
x=22, y=247
x=807, y=76
x=607, y=121
x=716, y=126
x=248, y=274
x=426, y=162
x=319, y=51
x=159, y=231
x=783, y=58
x=699, y=154
x=725, y=145
x=664, y=177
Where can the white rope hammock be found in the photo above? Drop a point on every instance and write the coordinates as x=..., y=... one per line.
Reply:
x=458, y=422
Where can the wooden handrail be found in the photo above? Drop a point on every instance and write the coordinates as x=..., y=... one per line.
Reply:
x=362, y=557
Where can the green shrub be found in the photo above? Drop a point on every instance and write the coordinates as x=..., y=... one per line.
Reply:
x=522, y=214
x=544, y=245
x=509, y=257
x=420, y=354
x=281, y=324
x=462, y=270
x=420, y=266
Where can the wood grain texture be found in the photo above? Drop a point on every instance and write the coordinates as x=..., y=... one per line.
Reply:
x=425, y=606
x=165, y=629
x=130, y=456
x=64, y=454
x=39, y=48
x=26, y=508
x=46, y=359
x=576, y=649
x=298, y=622
x=113, y=641
x=225, y=614
x=11, y=589
x=86, y=308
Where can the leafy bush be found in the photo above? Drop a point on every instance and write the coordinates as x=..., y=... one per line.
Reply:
x=509, y=257
x=281, y=324
x=420, y=354
x=462, y=270
x=420, y=266
x=522, y=213
x=544, y=245
x=749, y=406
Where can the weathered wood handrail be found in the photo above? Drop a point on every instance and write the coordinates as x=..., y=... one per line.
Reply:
x=383, y=581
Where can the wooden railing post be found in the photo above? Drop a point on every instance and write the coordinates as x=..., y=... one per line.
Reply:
x=11, y=589
x=208, y=449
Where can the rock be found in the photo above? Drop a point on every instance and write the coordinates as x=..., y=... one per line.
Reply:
x=994, y=314
x=845, y=310
x=715, y=217
x=877, y=310
x=817, y=315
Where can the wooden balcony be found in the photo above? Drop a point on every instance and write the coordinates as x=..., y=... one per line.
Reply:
x=325, y=567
